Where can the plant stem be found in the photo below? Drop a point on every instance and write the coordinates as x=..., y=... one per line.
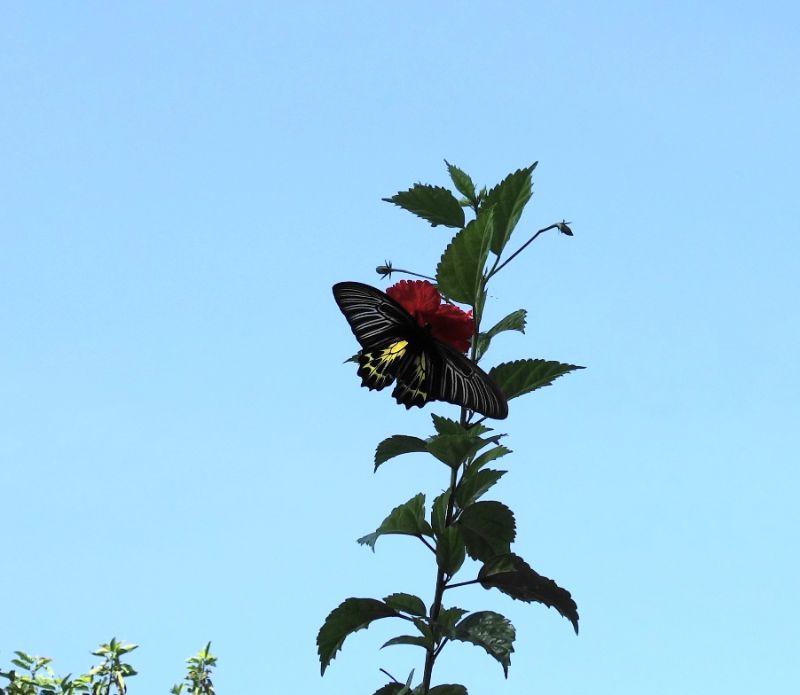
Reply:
x=416, y=275
x=497, y=268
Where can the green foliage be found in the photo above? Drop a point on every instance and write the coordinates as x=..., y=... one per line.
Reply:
x=432, y=203
x=108, y=677
x=460, y=271
x=491, y=631
x=515, y=321
x=508, y=199
x=461, y=522
x=513, y=576
x=488, y=529
x=396, y=445
x=350, y=616
x=406, y=519
x=523, y=376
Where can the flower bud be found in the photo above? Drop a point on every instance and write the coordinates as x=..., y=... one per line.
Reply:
x=563, y=228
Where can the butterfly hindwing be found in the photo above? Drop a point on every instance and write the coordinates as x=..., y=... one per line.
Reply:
x=379, y=367
x=458, y=380
x=414, y=380
x=374, y=317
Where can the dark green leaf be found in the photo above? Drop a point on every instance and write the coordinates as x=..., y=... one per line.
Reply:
x=407, y=603
x=448, y=617
x=513, y=576
x=444, y=425
x=488, y=529
x=406, y=519
x=450, y=550
x=515, y=321
x=407, y=639
x=391, y=689
x=454, y=449
x=461, y=181
x=524, y=376
x=439, y=512
x=508, y=198
x=475, y=483
x=460, y=269
x=432, y=203
x=396, y=445
x=491, y=631
x=489, y=456
x=352, y=615
x=449, y=689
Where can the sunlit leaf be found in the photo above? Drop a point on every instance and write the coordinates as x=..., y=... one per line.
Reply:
x=491, y=631
x=407, y=603
x=508, y=198
x=461, y=181
x=460, y=269
x=435, y=204
x=523, y=376
x=515, y=321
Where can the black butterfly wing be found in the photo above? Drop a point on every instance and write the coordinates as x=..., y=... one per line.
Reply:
x=415, y=378
x=383, y=329
x=374, y=317
x=458, y=380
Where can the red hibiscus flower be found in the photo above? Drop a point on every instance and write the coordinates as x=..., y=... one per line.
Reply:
x=448, y=323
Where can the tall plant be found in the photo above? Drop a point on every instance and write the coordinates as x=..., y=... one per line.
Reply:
x=461, y=523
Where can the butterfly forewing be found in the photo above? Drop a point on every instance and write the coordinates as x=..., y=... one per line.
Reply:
x=374, y=317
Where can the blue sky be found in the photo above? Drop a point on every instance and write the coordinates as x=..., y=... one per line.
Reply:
x=183, y=456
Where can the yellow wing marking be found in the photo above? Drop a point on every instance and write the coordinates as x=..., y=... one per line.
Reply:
x=376, y=369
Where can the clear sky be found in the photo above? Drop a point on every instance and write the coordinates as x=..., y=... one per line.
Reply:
x=183, y=455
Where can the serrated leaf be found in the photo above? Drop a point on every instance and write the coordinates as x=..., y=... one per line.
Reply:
x=454, y=449
x=508, y=198
x=450, y=550
x=407, y=639
x=444, y=425
x=523, y=376
x=460, y=270
x=488, y=529
x=515, y=577
x=439, y=512
x=396, y=445
x=489, y=456
x=407, y=603
x=491, y=631
x=351, y=615
x=475, y=483
x=462, y=181
x=392, y=689
x=515, y=321
x=448, y=689
x=448, y=617
x=432, y=203
x=406, y=519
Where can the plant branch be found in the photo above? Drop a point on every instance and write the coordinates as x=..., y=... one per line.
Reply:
x=458, y=584
x=497, y=268
x=385, y=672
x=430, y=547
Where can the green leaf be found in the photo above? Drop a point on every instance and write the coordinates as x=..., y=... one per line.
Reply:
x=460, y=270
x=396, y=445
x=407, y=603
x=514, y=577
x=488, y=529
x=448, y=689
x=461, y=181
x=450, y=550
x=489, y=456
x=391, y=689
x=350, y=616
x=523, y=376
x=448, y=617
x=454, y=449
x=407, y=639
x=475, y=483
x=405, y=519
x=432, y=203
x=444, y=425
x=439, y=512
x=508, y=198
x=515, y=321
x=491, y=631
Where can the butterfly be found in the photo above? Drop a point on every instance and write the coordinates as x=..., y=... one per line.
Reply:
x=396, y=348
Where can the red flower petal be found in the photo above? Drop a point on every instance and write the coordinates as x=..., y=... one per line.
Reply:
x=418, y=297
x=453, y=326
